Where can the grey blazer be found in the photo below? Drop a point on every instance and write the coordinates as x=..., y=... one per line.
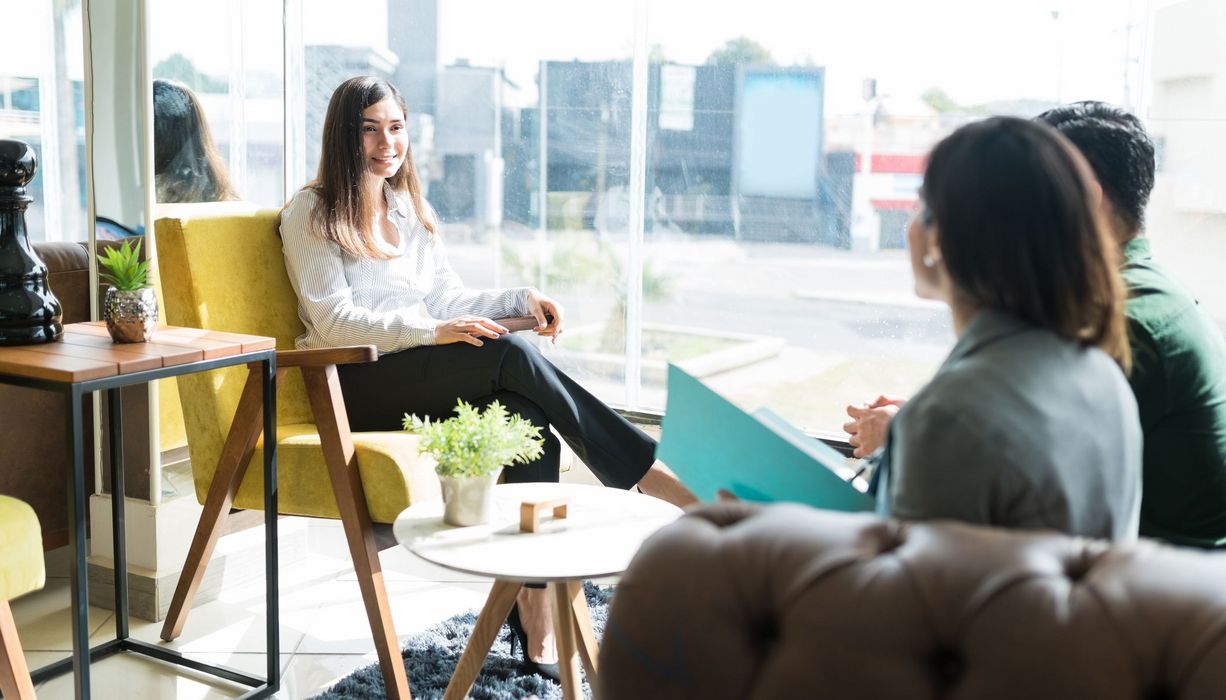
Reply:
x=1020, y=429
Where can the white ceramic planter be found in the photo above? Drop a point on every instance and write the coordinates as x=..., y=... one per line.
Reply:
x=468, y=500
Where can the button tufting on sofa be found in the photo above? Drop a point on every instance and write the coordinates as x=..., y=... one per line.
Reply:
x=895, y=539
x=1078, y=568
x=947, y=667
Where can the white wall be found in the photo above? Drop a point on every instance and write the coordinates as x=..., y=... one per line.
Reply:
x=1187, y=215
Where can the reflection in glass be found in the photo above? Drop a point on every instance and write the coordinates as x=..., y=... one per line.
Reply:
x=187, y=166
x=232, y=60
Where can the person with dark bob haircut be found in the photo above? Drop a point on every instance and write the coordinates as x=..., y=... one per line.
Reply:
x=186, y=164
x=367, y=261
x=1029, y=423
x=1178, y=375
x=1178, y=353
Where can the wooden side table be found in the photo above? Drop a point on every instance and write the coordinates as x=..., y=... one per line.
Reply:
x=599, y=535
x=84, y=361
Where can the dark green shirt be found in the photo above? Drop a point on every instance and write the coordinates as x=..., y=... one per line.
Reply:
x=1179, y=379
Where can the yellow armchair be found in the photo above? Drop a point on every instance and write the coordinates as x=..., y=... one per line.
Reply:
x=21, y=571
x=224, y=271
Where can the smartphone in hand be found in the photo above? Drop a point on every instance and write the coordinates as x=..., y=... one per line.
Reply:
x=521, y=323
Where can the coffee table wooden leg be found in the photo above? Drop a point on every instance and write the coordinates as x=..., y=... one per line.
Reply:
x=495, y=612
x=564, y=629
x=588, y=649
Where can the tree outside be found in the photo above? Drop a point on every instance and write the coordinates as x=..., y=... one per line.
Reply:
x=740, y=50
x=179, y=67
x=940, y=101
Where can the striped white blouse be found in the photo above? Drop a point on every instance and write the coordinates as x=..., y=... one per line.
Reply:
x=393, y=304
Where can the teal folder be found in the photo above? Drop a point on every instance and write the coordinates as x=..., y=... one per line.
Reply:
x=711, y=444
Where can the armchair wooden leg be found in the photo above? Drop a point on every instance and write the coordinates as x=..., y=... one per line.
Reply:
x=231, y=466
x=324, y=391
x=15, y=682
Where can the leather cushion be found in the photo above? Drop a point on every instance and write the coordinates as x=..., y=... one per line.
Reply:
x=742, y=601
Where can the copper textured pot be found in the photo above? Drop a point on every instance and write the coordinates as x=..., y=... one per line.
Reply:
x=131, y=315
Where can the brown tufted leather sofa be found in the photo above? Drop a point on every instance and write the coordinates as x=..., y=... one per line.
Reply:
x=33, y=443
x=784, y=601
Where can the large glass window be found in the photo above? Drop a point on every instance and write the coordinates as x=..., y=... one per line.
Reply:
x=724, y=188
x=219, y=109
x=42, y=103
x=784, y=158
x=728, y=188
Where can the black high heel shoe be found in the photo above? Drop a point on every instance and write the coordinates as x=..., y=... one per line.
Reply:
x=549, y=671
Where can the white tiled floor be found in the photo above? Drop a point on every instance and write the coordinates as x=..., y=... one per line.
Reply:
x=324, y=632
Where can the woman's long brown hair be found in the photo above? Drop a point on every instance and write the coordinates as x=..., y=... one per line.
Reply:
x=1019, y=231
x=186, y=165
x=344, y=210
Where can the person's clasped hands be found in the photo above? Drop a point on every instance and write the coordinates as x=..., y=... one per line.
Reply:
x=471, y=329
x=468, y=329
x=870, y=423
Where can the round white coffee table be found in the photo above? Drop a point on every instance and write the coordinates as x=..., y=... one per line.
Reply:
x=598, y=536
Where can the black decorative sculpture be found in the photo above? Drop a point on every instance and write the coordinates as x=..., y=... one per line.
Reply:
x=29, y=312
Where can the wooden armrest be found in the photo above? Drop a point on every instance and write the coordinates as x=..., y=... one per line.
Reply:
x=353, y=354
x=347, y=355
x=322, y=357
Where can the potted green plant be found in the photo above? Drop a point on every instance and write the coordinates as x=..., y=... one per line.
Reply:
x=130, y=306
x=469, y=450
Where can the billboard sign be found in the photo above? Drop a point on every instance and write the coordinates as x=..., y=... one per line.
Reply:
x=779, y=132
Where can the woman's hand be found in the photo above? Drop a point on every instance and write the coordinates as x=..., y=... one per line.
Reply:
x=467, y=329
x=548, y=314
x=870, y=423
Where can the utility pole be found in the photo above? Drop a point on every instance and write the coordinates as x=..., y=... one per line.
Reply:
x=1127, y=100
x=1055, y=17
x=865, y=221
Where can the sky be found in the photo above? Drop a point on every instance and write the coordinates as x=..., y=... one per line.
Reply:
x=975, y=50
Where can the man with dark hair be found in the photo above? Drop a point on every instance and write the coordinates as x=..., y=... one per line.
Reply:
x=1121, y=155
x=1178, y=353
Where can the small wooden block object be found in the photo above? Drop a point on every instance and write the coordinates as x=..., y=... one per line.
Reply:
x=530, y=512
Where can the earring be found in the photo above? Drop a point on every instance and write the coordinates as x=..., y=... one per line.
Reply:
x=929, y=261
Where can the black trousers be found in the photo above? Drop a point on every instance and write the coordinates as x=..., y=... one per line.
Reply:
x=427, y=381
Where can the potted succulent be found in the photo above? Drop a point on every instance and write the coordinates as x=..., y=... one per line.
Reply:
x=469, y=450
x=130, y=307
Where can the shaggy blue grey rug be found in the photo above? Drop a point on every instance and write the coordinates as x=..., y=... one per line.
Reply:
x=430, y=658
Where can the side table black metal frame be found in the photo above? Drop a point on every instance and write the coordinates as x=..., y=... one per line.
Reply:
x=82, y=653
